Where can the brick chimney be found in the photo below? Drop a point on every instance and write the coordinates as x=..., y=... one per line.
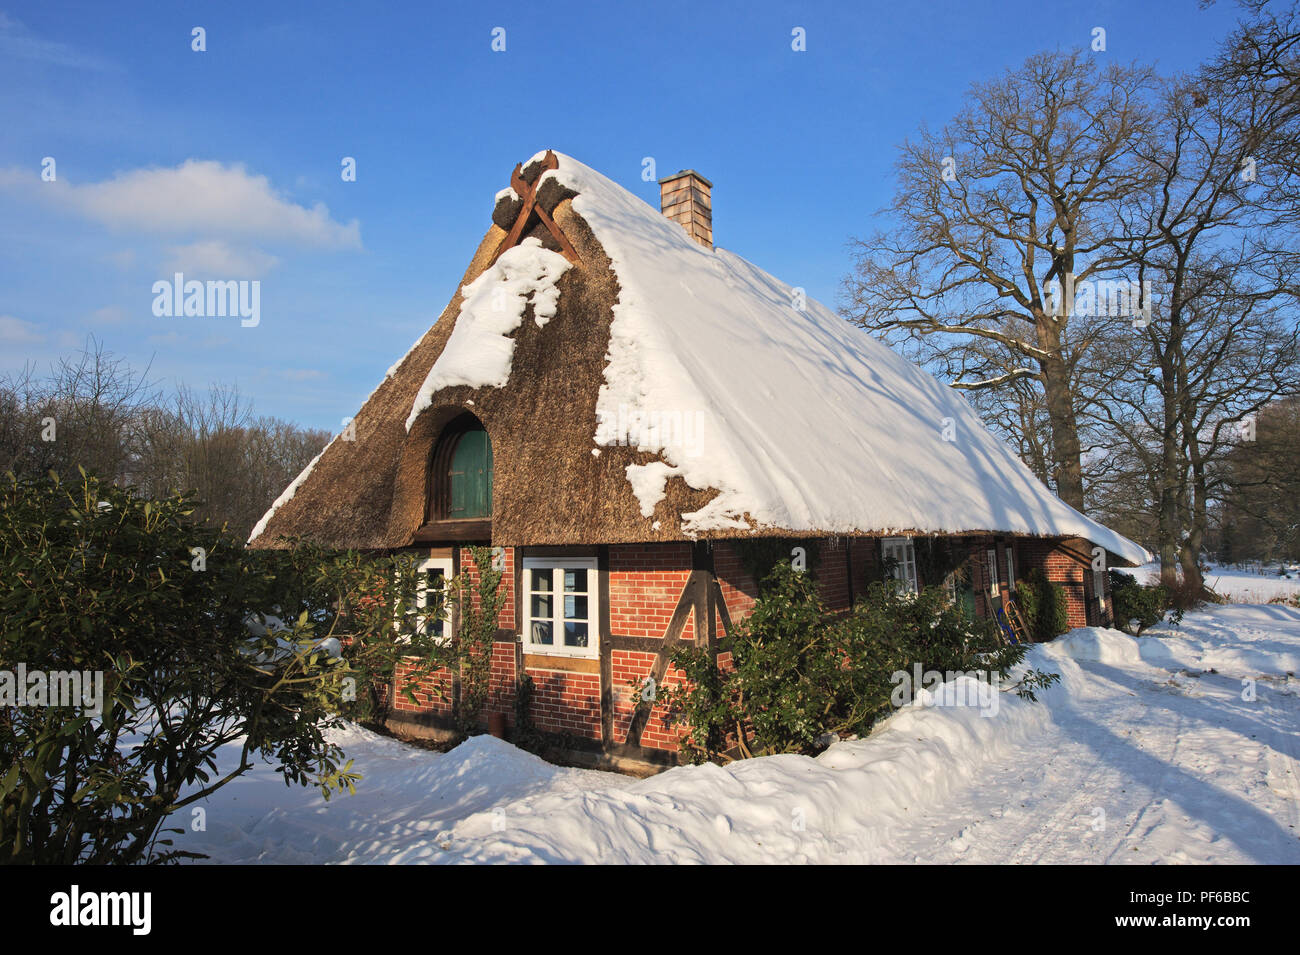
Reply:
x=687, y=198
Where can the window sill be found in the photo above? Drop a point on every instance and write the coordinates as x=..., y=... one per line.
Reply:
x=569, y=662
x=466, y=530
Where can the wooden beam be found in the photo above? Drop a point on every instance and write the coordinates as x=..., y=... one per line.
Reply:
x=437, y=531
x=570, y=252
x=606, y=649
x=721, y=604
x=530, y=207
x=686, y=602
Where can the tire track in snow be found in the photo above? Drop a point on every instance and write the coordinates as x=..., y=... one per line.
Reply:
x=1092, y=787
x=1284, y=770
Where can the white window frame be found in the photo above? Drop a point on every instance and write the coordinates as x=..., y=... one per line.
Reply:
x=447, y=566
x=991, y=566
x=533, y=565
x=905, y=569
x=1011, y=569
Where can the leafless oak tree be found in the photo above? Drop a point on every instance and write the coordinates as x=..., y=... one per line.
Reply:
x=994, y=215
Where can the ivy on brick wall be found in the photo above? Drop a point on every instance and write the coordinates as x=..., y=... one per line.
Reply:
x=479, y=599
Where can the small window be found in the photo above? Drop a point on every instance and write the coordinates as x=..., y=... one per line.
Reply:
x=433, y=610
x=901, y=552
x=991, y=559
x=562, y=617
x=1011, y=568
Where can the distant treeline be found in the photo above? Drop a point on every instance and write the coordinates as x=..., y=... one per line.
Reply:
x=95, y=411
x=1259, y=514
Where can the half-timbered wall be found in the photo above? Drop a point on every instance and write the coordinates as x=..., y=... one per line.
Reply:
x=654, y=597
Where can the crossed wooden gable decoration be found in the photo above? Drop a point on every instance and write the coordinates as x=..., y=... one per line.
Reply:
x=531, y=211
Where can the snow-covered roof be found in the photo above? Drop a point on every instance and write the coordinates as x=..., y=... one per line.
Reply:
x=800, y=419
x=682, y=392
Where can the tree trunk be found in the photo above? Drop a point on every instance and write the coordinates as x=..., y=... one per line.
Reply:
x=1066, y=452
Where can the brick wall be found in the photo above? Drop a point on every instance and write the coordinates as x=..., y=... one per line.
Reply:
x=566, y=702
x=832, y=571
x=502, y=682
x=866, y=562
x=433, y=691
x=739, y=590
x=1063, y=567
x=629, y=669
x=506, y=618
x=645, y=583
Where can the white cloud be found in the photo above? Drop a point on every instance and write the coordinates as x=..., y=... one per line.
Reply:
x=14, y=331
x=197, y=197
x=213, y=257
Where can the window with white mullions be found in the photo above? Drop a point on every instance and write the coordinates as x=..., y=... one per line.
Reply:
x=432, y=607
x=562, y=601
x=900, y=555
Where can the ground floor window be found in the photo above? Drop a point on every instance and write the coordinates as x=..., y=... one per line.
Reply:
x=1011, y=569
x=991, y=559
x=1099, y=589
x=900, y=557
x=561, y=610
x=432, y=608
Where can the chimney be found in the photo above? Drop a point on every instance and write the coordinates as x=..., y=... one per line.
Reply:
x=687, y=198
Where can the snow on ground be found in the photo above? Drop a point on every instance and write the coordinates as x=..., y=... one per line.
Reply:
x=1236, y=583
x=1146, y=752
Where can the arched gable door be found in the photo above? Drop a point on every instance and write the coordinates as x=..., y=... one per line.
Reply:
x=461, y=472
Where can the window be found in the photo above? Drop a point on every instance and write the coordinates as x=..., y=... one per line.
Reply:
x=991, y=558
x=562, y=616
x=1011, y=568
x=433, y=612
x=461, y=472
x=903, y=554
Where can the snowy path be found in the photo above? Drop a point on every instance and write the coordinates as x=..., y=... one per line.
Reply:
x=1145, y=753
x=1173, y=771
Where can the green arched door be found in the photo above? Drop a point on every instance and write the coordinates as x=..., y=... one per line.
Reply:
x=470, y=477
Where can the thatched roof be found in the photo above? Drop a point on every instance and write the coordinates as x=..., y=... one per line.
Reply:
x=775, y=416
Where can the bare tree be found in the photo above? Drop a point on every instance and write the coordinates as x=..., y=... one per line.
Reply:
x=996, y=217
x=95, y=412
x=1216, y=238
x=212, y=444
x=1260, y=514
x=83, y=414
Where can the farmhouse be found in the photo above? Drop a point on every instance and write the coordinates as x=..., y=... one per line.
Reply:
x=626, y=413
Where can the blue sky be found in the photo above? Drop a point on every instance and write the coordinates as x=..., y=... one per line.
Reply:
x=799, y=146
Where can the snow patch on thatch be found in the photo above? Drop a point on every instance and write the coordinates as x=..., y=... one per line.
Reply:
x=648, y=483
x=479, y=351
